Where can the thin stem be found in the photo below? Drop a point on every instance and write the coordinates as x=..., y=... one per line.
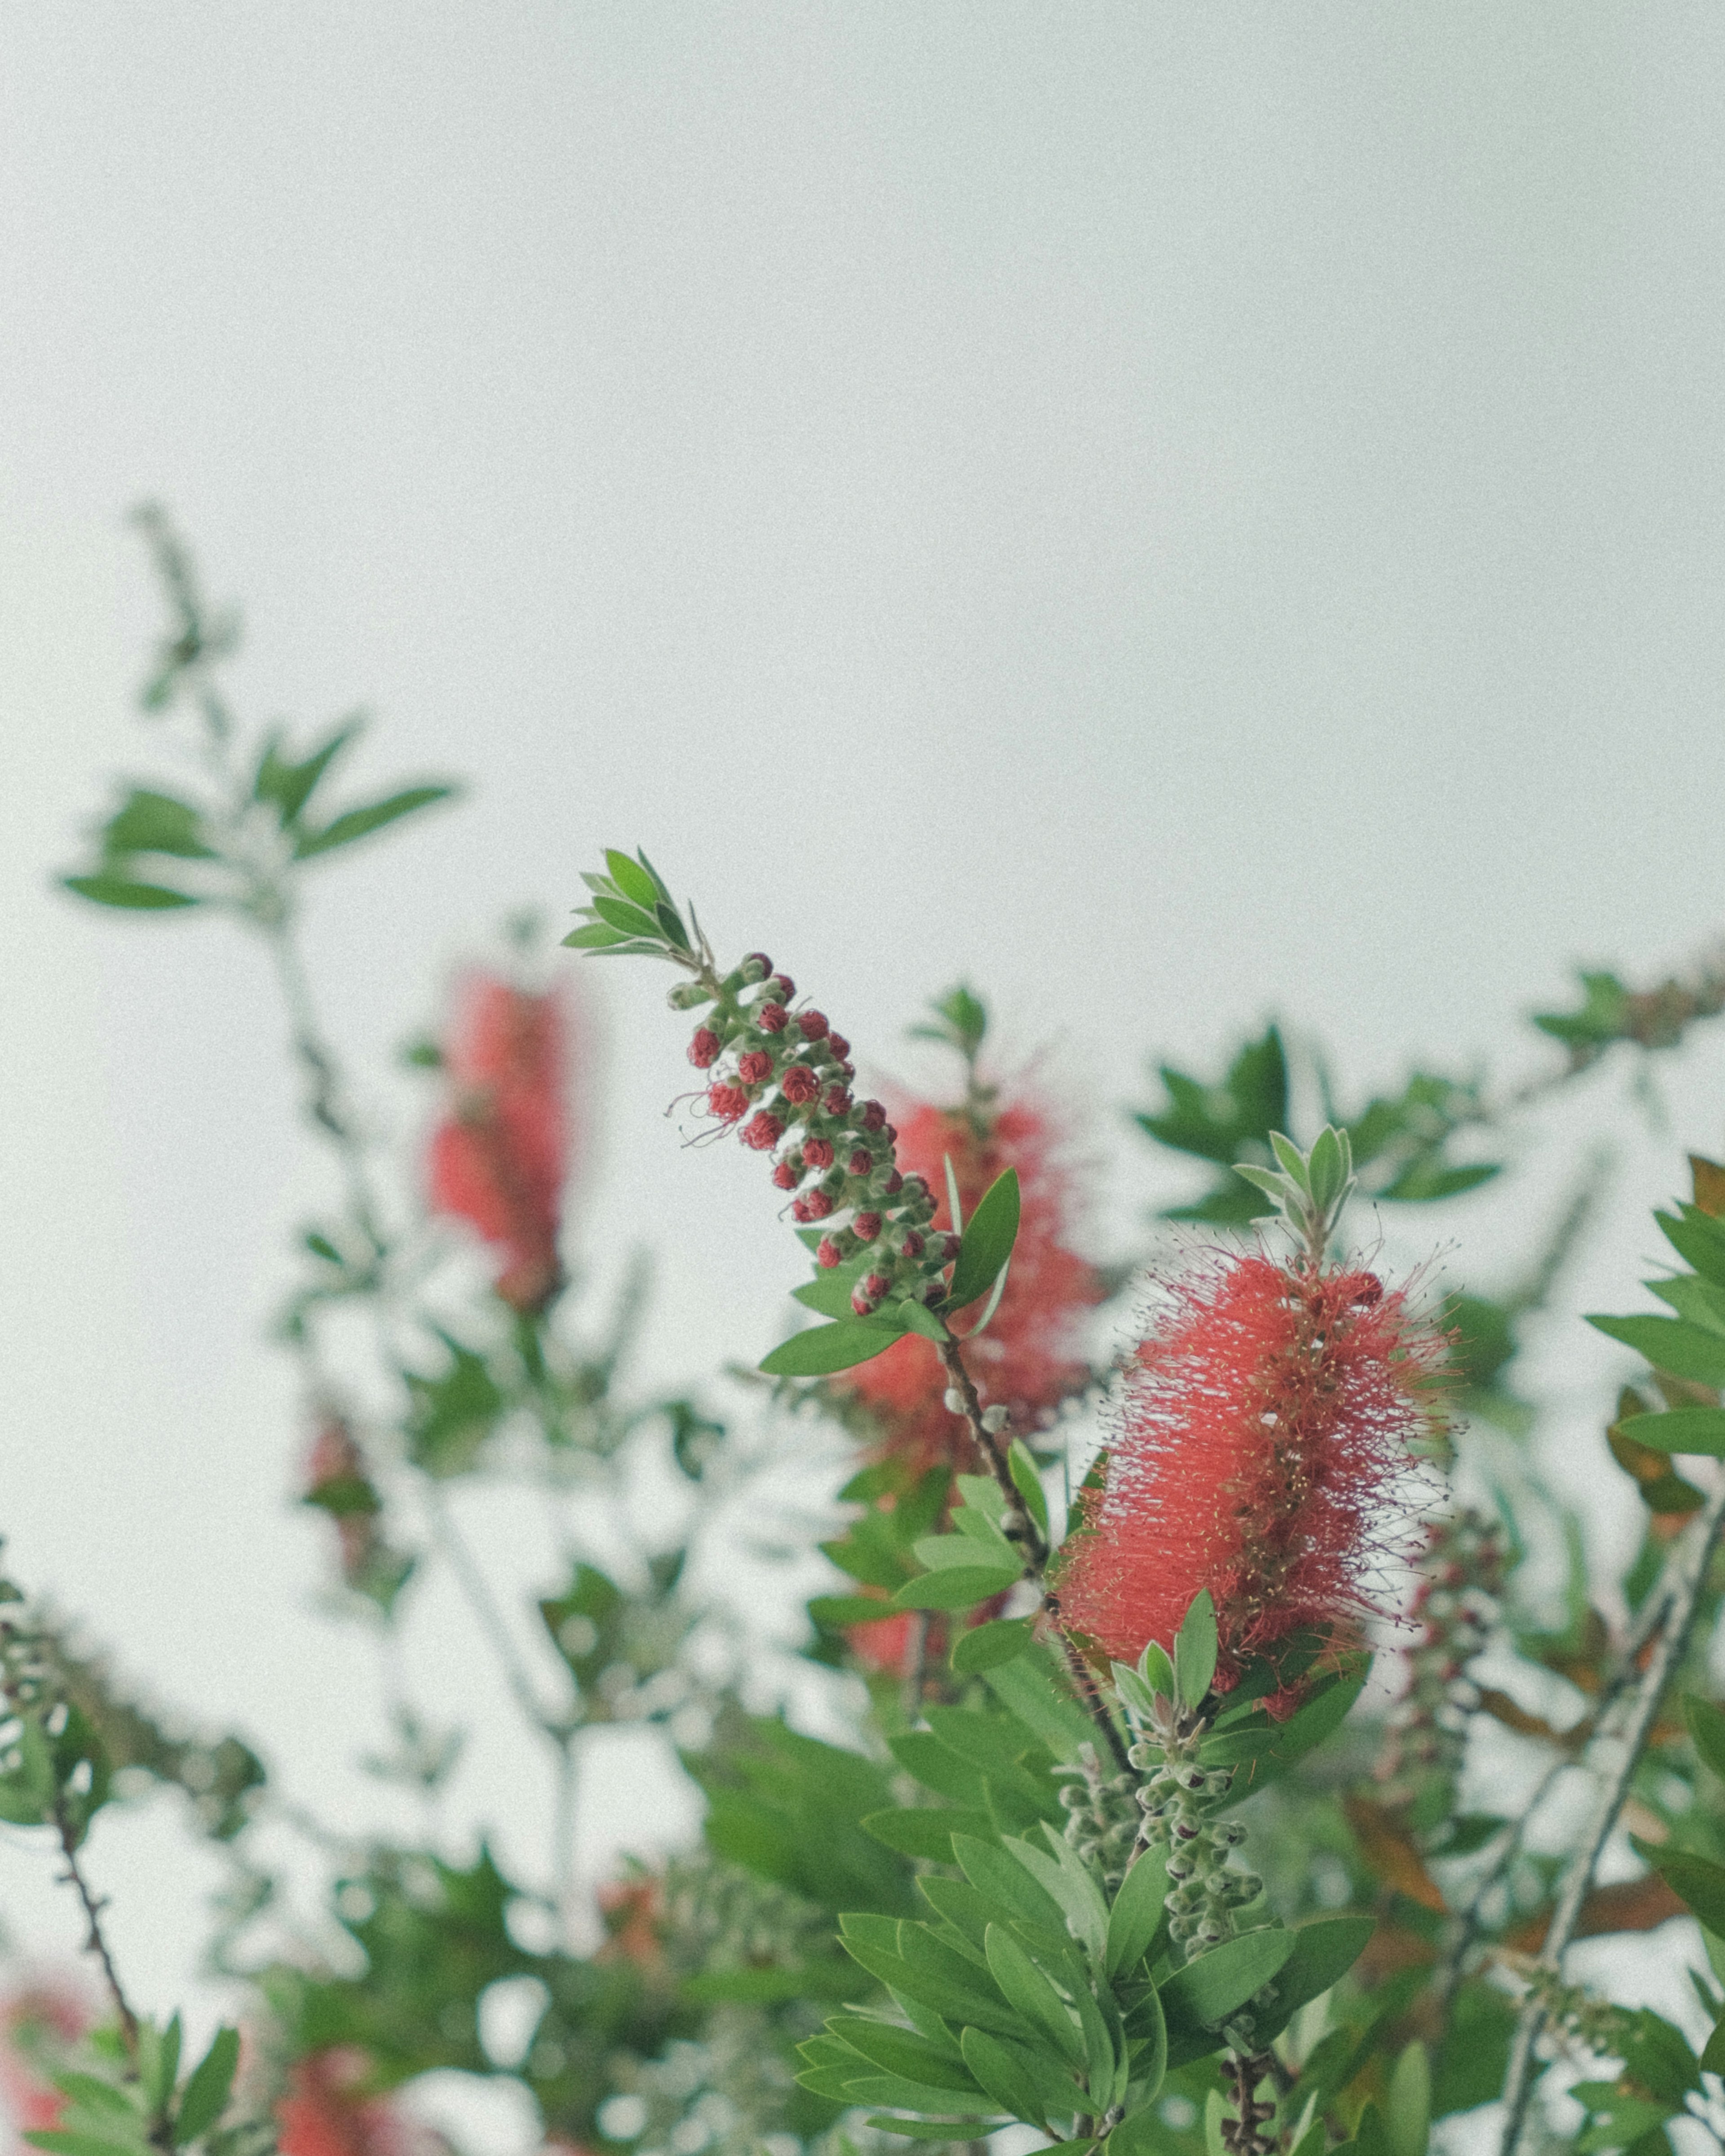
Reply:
x=1018, y=1527
x=915, y=1667
x=326, y=1099
x=488, y=1616
x=1678, y=1596
x=562, y=1882
x=95, y=1942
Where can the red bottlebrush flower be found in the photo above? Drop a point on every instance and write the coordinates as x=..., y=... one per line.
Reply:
x=772, y=1018
x=799, y=1085
x=1261, y=1452
x=762, y=1132
x=755, y=1067
x=818, y=1153
x=812, y=1025
x=36, y=2023
x=882, y=1643
x=500, y=1158
x=729, y=1103
x=704, y=1048
x=1025, y=1362
x=326, y=2112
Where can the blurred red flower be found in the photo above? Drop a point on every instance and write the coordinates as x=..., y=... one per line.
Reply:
x=1027, y=1360
x=1262, y=1451
x=35, y=2022
x=326, y=2112
x=500, y=1157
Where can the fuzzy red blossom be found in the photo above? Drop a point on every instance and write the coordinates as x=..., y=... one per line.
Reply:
x=762, y=1132
x=828, y=1253
x=36, y=2023
x=799, y=1085
x=1262, y=1451
x=787, y=1175
x=818, y=1153
x=755, y=1067
x=327, y=2112
x=500, y=1156
x=867, y=1226
x=729, y=1103
x=704, y=1048
x=1027, y=1360
x=772, y=1018
x=812, y=1025
x=861, y=1161
x=838, y=1045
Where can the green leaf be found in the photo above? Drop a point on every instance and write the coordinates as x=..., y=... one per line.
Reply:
x=902, y=2052
x=1195, y=1650
x=1680, y=1429
x=123, y=891
x=627, y=920
x=1407, y=2119
x=1698, y=1239
x=1028, y=1482
x=1326, y=1168
x=1206, y=1991
x=94, y=2094
x=1068, y=1881
x=1025, y=1989
x=987, y=1241
x=1670, y=1343
x=287, y=786
x=632, y=879
x=932, y=2129
x=1712, y=2058
x=824, y=1348
x=1021, y=2079
x=939, y=1979
x=1693, y=1880
x=60, y=2141
x=985, y=1646
x=1324, y=1951
x=1156, y=1671
x=594, y=936
x=1133, y=1920
x=205, y=2093
x=925, y=1831
x=957, y=1586
x=373, y=816
x=1707, y=1730
x=951, y=1552
x=148, y=823
x=918, y=1318
x=1218, y=1122
x=1008, y=1886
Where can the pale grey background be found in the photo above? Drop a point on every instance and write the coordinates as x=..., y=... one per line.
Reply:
x=1180, y=511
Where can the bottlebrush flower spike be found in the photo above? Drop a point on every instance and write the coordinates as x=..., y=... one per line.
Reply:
x=1261, y=1452
x=500, y=1157
x=326, y=2112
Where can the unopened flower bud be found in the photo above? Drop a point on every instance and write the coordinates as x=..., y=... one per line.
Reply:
x=867, y=1226
x=786, y=1176
x=704, y=1048
x=762, y=1133
x=828, y=1254
x=818, y=1153
x=812, y=1025
x=836, y=1100
x=954, y=1400
x=871, y=1117
x=911, y=1243
x=995, y=1420
x=689, y=995
x=912, y=1188
x=770, y=1018
x=727, y=1102
x=866, y=1296
x=860, y=1162
x=819, y=1206
x=756, y=966
x=838, y=1045
x=784, y=988
x=755, y=1067
x=799, y=1085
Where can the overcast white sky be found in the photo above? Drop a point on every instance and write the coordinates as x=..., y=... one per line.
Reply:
x=1178, y=512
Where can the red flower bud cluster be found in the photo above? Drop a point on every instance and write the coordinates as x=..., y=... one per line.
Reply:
x=782, y=1076
x=1262, y=1450
x=500, y=1157
x=1026, y=1361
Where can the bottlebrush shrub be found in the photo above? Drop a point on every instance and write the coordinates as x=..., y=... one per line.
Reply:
x=1106, y=1837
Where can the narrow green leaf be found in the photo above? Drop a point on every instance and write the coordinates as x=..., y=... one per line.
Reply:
x=123, y=891
x=1006, y=1885
x=825, y=1348
x=1293, y=1161
x=1707, y=1730
x=902, y=2052
x=1680, y=1429
x=1670, y=1343
x=594, y=936
x=1218, y=1983
x=956, y=1587
x=1195, y=1650
x=1694, y=1879
x=1064, y=1879
x=987, y=1241
x=1136, y=1912
x=631, y=878
x=1028, y=1482
x=924, y=1830
x=934, y=2129
x=985, y=1646
x=1004, y=2071
x=205, y=2093
x=1324, y=1951
x=1026, y=1989
x=1133, y=1691
x=1156, y=1671
x=629, y=920
x=94, y=2094
x=150, y=822
x=361, y=822
x=60, y=2141
x=918, y=1318
x=1407, y=2118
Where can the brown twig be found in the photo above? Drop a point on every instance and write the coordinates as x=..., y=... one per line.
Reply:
x=95, y=1942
